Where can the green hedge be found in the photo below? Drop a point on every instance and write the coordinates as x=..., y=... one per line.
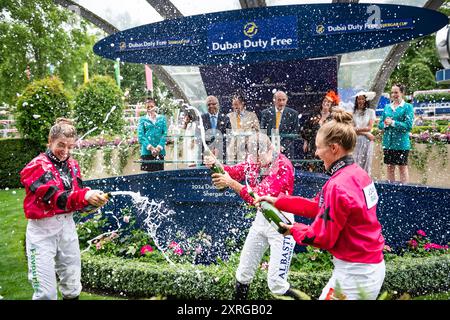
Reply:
x=140, y=279
x=14, y=155
x=436, y=97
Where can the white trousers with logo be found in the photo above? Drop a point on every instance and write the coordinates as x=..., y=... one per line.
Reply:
x=261, y=236
x=53, y=250
x=356, y=281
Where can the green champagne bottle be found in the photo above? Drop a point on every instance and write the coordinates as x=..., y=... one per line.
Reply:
x=217, y=168
x=272, y=214
x=90, y=208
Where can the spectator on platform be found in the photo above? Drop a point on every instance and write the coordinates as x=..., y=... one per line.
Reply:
x=152, y=132
x=396, y=123
x=216, y=125
x=244, y=123
x=283, y=120
x=363, y=119
x=312, y=125
x=191, y=139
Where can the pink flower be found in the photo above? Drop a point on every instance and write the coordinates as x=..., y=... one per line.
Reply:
x=429, y=246
x=264, y=266
x=126, y=219
x=98, y=245
x=113, y=235
x=173, y=244
x=421, y=233
x=178, y=251
x=145, y=249
x=176, y=248
x=413, y=243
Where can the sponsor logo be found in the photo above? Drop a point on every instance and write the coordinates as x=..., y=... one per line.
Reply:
x=320, y=29
x=286, y=256
x=250, y=29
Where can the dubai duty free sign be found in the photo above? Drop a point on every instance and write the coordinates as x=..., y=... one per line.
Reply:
x=277, y=33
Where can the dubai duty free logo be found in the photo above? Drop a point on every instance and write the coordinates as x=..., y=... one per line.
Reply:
x=250, y=29
x=320, y=29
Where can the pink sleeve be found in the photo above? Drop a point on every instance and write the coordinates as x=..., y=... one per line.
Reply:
x=298, y=205
x=326, y=228
x=43, y=184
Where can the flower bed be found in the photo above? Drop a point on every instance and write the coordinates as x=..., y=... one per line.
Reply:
x=125, y=261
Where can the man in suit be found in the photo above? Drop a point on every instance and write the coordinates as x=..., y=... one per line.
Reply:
x=243, y=124
x=216, y=125
x=283, y=120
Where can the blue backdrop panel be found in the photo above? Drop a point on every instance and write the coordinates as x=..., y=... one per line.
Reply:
x=276, y=33
x=402, y=209
x=305, y=82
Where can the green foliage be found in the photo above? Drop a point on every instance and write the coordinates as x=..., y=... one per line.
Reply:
x=107, y=159
x=418, y=66
x=85, y=158
x=134, y=278
x=126, y=151
x=435, y=97
x=16, y=153
x=429, y=128
x=421, y=77
x=42, y=35
x=312, y=260
x=99, y=104
x=419, y=159
x=42, y=102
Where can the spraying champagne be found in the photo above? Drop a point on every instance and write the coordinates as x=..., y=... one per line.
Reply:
x=90, y=208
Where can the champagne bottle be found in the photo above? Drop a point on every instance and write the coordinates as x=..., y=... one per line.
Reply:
x=217, y=168
x=272, y=214
x=90, y=208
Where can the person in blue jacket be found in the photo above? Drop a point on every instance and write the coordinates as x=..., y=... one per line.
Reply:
x=152, y=132
x=396, y=123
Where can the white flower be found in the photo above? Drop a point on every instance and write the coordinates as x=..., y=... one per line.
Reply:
x=36, y=116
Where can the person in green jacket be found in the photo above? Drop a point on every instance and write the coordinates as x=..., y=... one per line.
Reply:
x=152, y=132
x=396, y=123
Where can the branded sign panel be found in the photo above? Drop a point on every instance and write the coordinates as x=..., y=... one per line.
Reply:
x=363, y=26
x=272, y=34
x=277, y=33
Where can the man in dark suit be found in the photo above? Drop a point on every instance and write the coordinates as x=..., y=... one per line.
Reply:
x=285, y=120
x=216, y=125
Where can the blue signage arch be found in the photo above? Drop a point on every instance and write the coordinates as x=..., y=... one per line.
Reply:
x=277, y=33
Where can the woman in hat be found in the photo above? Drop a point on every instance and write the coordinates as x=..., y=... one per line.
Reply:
x=313, y=124
x=363, y=119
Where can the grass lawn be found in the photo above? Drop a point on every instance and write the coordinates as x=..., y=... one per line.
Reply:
x=14, y=284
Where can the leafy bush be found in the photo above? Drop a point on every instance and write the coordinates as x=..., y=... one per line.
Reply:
x=98, y=104
x=420, y=77
x=436, y=97
x=16, y=153
x=38, y=107
x=140, y=279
